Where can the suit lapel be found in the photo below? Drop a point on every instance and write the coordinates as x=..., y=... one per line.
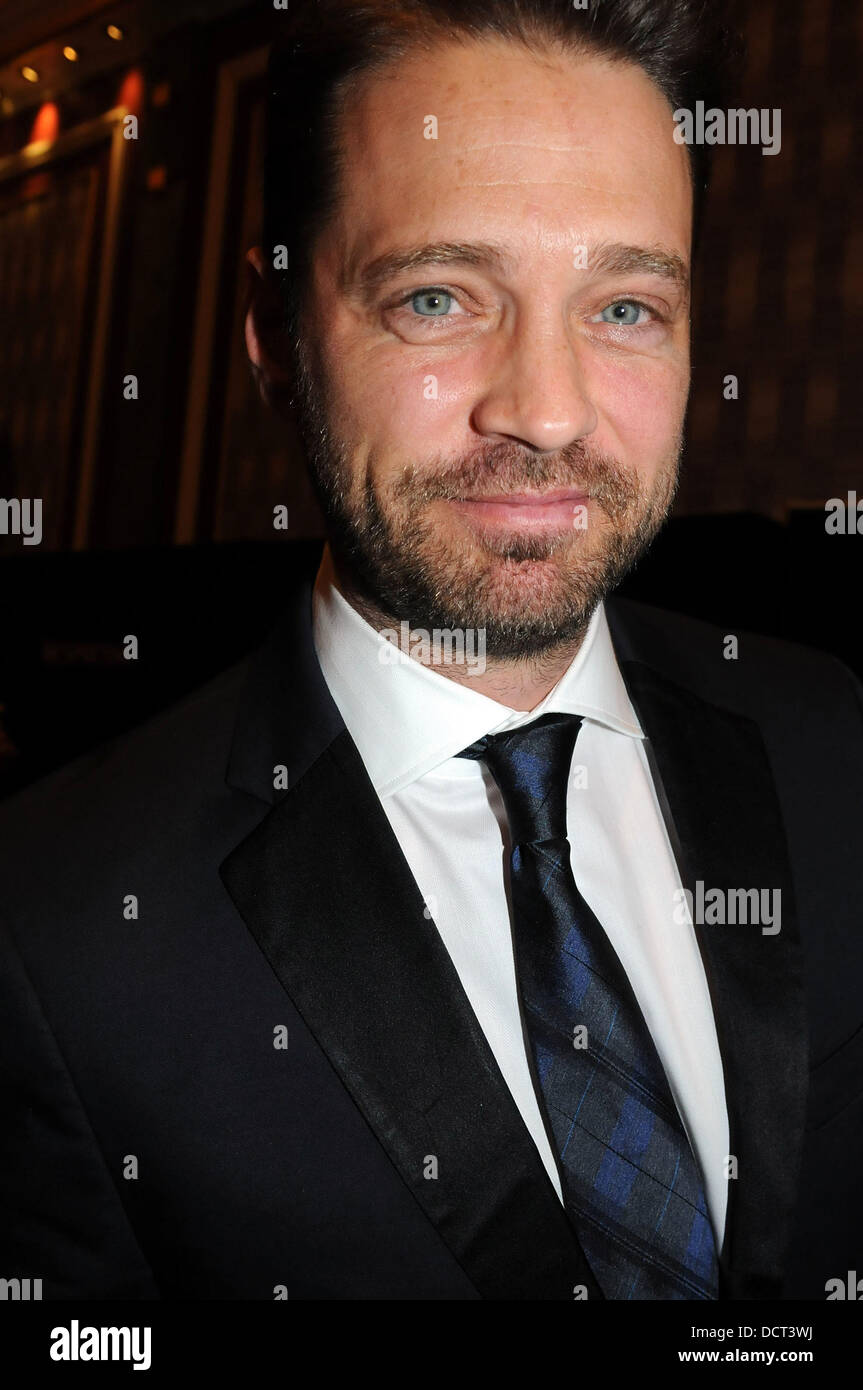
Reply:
x=719, y=801
x=324, y=888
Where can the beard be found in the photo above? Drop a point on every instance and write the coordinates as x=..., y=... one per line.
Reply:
x=530, y=594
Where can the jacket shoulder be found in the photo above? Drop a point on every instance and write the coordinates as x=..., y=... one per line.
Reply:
x=732, y=666
x=142, y=786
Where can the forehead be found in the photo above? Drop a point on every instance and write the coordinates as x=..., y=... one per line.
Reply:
x=537, y=150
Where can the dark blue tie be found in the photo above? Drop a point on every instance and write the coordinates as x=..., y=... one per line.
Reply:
x=630, y=1180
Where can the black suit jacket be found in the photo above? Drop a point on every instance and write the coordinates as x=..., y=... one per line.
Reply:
x=158, y=1143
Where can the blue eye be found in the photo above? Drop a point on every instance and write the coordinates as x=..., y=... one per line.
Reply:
x=623, y=311
x=437, y=303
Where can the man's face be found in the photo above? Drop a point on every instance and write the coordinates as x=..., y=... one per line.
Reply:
x=494, y=362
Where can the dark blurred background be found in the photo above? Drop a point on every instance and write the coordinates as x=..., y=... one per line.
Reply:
x=123, y=257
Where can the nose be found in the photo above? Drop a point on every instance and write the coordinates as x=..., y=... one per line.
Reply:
x=537, y=393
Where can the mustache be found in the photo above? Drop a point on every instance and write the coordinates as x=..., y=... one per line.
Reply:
x=511, y=468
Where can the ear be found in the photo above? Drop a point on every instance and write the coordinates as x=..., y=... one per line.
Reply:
x=265, y=340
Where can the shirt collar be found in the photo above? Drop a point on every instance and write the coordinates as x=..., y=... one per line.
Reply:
x=407, y=719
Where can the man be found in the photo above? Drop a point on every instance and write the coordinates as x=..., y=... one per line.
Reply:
x=370, y=971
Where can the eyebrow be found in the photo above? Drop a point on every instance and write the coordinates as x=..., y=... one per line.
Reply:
x=614, y=258
x=383, y=268
x=609, y=258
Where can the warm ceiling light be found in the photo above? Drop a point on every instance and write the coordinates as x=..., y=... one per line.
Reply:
x=46, y=126
x=114, y=31
x=29, y=74
x=70, y=53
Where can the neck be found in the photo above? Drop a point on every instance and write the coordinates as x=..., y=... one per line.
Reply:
x=519, y=684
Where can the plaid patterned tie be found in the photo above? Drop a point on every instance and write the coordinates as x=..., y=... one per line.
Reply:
x=631, y=1183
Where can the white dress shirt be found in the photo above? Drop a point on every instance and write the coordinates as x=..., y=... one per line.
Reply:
x=409, y=722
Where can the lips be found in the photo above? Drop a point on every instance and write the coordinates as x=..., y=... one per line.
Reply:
x=557, y=510
x=531, y=499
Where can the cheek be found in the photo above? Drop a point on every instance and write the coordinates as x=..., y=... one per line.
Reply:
x=399, y=405
x=365, y=383
x=640, y=403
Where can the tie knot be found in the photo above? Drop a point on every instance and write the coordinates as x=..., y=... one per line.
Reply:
x=531, y=768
